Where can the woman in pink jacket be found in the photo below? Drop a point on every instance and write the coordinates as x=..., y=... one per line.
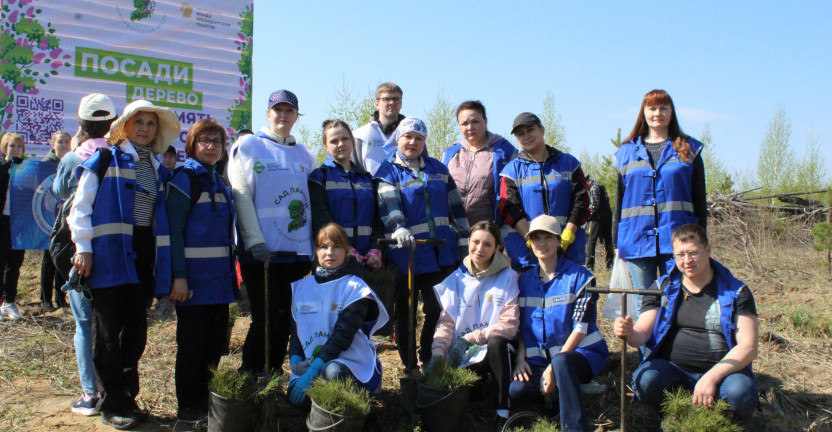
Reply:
x=480, y=313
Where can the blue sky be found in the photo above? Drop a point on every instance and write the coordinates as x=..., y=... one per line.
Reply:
x=727, y=64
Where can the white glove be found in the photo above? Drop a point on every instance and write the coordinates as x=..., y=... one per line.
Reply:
x=404, y=238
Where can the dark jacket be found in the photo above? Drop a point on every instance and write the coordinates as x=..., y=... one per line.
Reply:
x=349, y=320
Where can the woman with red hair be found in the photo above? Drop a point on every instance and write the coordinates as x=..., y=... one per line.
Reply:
x=661, y=186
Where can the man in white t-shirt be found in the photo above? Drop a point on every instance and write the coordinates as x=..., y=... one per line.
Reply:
x=370, y=149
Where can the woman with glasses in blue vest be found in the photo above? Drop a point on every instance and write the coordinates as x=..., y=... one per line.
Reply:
x=560, y=344
x=418, y=199
x=120, y=228
x=201, y=216
x=341, y=191
x=661, y=186
x=542, y=180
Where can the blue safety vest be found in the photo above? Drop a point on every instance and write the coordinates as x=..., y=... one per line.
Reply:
x=209, y=238
x=656, y=200
x=544, y=188
x=501, y=151
x=351, y=200
x=546, y=315
x=727, y=291
x=113, y=222
x=428, y=258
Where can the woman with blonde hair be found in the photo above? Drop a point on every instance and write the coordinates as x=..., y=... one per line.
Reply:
x=13, y=146
x=123, y=249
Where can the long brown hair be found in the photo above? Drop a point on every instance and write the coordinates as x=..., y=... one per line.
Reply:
x=677, y=137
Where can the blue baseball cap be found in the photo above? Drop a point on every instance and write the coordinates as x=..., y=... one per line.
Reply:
x=283, y=96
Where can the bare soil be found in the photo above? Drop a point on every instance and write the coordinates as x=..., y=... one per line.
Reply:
x=39, y=379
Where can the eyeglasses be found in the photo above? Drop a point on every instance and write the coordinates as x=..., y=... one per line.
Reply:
x=206, y=142
x=390, y=99
x=692, y=255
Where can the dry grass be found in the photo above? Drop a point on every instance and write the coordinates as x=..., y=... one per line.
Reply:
x=38, y=374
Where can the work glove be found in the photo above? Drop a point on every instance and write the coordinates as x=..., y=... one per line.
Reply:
x=403, y=238
x=298, y=365
x=457, y=352
x=436, y=359
x=297, y=390
x=567, y=237
x=261, y=252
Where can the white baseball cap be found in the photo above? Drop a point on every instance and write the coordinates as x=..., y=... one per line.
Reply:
x=96, y=107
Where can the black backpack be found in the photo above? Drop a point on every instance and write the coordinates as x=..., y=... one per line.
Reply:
x=61, y=247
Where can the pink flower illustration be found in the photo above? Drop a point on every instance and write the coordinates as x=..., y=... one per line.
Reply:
x=39, y=57
x=55, y=53
x=13, y=17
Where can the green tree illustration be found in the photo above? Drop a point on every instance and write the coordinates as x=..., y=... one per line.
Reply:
x=31, y=54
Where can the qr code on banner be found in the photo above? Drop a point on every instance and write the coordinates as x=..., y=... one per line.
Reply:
x=38, y=118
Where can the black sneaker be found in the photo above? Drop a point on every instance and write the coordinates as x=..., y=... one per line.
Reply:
x=190, y=416
x=85, y=405
x=119, y=420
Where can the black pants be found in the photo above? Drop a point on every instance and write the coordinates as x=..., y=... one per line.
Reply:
x=281, y=276
x=599, y=230
x=119, y=328
x=498, y=362
x=200, y=338
x=10, y=260
x=422, y=283
x=51, y=281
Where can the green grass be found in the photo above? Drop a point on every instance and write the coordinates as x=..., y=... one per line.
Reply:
x=681, y=415
x=340, y=396
x=446, y=377
x=542, y=425
x=802, y=320
x=233, y=313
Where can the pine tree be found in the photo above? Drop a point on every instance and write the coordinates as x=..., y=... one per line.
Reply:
x=776, y=165
x=441, y=123
x=718, y=180
x=554, y=134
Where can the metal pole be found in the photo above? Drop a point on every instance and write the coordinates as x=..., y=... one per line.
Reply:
x=624, y=292
x=623, y=367
x=411, y=300
x=266, y=306
x=411, y=311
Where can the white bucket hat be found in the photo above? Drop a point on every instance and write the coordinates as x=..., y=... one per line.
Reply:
x=168, y=130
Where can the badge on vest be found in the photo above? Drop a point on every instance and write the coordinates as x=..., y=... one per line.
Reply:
x=307, y=308
x=498, y=300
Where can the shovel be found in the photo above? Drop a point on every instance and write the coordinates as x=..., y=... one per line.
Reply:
x=624, y=292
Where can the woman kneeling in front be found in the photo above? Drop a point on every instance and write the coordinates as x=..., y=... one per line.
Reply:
x=335, y=314
x=560, y=345
x=480, y=313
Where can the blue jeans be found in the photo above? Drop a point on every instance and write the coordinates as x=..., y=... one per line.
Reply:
x=571, y=369
x=337, y=370
x=655, y=376
x=644, y=272
x=82, y=310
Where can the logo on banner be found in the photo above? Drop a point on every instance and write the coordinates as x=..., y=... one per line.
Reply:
x=45, y=205
x=142, y=17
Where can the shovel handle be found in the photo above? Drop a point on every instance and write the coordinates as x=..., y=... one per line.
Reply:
x=391, y=242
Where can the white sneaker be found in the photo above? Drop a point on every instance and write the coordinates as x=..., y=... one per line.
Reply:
x=10, y=311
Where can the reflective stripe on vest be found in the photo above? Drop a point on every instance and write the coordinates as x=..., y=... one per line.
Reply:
x=656, y=200
x=590, y=339
x=648, y=210
x=428, y=258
